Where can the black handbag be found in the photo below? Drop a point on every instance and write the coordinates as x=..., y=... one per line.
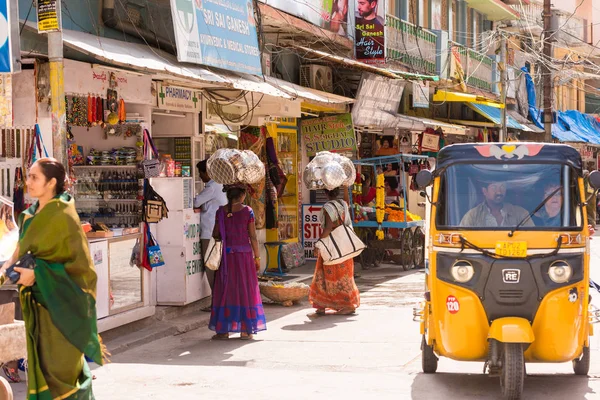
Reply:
x=27, y=261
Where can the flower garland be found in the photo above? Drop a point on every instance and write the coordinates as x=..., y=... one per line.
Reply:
x=380, y=204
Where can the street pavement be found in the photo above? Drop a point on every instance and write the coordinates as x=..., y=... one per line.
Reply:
x=371, y=355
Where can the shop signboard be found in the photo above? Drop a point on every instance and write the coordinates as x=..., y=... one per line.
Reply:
x=6, y=106
x=178, y=98
x=91, y=79
x=311, y=228
x=10, y=48
x=420, y=94
x=48, y=13
x=331, y=15
x=587, y=153
x=377, y=99
x=369, y=25
x=217, y=33
x=333, y=133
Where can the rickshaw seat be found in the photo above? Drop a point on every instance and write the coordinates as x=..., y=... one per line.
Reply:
x=511, y=330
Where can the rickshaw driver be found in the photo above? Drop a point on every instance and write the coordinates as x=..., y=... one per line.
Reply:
x=493, y=211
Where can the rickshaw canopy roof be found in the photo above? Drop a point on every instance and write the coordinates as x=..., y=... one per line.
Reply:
x=530, y=153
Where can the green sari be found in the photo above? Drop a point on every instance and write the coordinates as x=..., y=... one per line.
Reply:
x=60, y=308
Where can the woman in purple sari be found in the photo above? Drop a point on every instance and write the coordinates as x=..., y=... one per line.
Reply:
x=237, y=305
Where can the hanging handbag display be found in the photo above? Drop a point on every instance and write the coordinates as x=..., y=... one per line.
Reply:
x=155, y=208
x=151, y=166
x=155, y=255
x=341, y=244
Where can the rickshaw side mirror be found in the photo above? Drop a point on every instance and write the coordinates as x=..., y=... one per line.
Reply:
x=424, y=179
x=593, y=179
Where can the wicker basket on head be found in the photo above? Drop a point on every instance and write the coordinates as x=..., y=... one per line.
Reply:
x=284, y=295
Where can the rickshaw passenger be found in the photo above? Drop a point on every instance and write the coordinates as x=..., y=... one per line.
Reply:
x=550, y=214
x=494, y=211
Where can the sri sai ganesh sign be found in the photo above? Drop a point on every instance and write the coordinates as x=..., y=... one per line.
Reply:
x=217, y=33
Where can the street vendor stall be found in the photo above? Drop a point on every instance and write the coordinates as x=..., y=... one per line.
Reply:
x=387, y=226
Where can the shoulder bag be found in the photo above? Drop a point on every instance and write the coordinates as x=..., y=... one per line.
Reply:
x=214, y=253
x=341, y=244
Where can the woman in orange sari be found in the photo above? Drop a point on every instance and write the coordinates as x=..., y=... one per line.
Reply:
x=333, y=286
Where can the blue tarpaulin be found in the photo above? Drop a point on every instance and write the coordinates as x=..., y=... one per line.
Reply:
x=570, y=126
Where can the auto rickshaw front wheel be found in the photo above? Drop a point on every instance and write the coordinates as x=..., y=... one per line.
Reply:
x=429, y=361
x=582, y=365
x=512, y=376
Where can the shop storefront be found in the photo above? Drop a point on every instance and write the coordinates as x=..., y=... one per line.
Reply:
x=107, y=112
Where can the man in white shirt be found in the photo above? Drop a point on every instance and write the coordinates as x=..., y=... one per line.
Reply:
x=207, y=203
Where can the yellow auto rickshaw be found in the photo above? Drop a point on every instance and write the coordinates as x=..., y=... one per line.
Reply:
x=507, y=278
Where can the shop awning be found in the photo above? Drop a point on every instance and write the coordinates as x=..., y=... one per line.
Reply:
x=143, y=58
x=312, y=99
x=442, y=96
x=495, y=115
x=320, y=56
x=527, y=125
x=495, y=10
x=415, y=124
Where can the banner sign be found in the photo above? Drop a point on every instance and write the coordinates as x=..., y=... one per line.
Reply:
x=217, y=33
x=178, y=98
x=334, y=133
x=377, y=99
x=420, y=94
x=369, y=25
x=48, y=12
x=10, y=47
x=6, y=99
x=311, y=228
x=331, y=15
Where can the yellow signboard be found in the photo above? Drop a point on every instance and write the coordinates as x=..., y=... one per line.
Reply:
x=48, y=12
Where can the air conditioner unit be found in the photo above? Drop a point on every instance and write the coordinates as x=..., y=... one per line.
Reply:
x=318, y=77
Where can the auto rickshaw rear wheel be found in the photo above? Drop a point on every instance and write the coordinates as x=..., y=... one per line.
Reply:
x=582, y=365
x=429, y=361
x=512, y=376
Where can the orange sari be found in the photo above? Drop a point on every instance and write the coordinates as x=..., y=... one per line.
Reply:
x=333, y=286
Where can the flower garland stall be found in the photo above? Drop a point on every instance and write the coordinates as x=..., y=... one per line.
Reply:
x=388, y=228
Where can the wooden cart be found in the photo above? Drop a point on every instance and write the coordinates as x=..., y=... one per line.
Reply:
x=408, y=250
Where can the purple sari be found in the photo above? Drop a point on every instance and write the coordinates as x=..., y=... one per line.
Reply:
x=237, y=305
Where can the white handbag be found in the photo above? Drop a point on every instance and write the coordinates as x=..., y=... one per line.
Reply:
x=341, y=244
x=212, y=258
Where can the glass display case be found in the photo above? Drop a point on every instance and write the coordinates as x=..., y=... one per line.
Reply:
x=109, y=195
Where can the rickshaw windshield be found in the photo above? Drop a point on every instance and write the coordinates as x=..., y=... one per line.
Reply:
x=501, y=196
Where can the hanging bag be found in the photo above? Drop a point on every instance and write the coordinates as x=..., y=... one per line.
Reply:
x=214, y=254
x=154, y=253
x=151, y=166
x=341, y=244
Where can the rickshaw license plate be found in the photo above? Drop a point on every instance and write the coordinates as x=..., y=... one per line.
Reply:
x=511, y=249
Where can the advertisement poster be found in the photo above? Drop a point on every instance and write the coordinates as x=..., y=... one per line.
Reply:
x=334, y=133
x=311, y=228
x=436, y=14
x=217, y=33
x=369, y=24
x=328, y=14
x=48, y=15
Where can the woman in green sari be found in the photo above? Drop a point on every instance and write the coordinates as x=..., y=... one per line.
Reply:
x=58, y=297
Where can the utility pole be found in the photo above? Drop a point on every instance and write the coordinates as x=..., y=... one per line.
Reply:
x=57, y=90
x=503, y=86
x=546, y=74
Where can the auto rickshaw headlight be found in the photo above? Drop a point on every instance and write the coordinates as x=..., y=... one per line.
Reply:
x=560, y=272
x=462, y=271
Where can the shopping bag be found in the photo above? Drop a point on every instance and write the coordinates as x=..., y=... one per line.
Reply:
x=151, y=167
x=155, y=255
